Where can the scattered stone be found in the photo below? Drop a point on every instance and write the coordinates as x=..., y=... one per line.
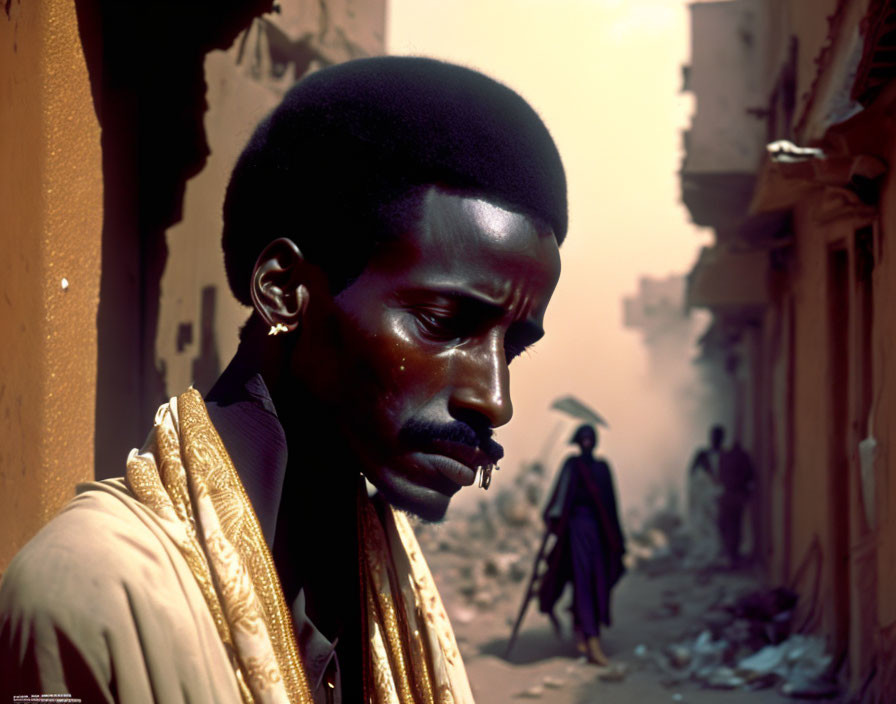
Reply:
x=746, y=641
x=679, y=655
x=484, y=599
x=535, y=692
x=724, y=678
x=816, y=689
x=614, y=672
x=553, y=682
x=462, y=614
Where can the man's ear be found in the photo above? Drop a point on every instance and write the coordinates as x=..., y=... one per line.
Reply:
x=279, y=291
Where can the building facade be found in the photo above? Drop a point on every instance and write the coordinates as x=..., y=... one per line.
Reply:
x=788, y=160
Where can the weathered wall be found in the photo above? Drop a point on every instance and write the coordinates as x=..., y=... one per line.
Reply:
x=776, y=491
x=824, y=386
x=884, y=410
x=198, y=317
x=146, y=61
x=809, y=20
x=812, y=509
x=833, y=547
x=829, y=51
x=50, y=224
x=726, y=76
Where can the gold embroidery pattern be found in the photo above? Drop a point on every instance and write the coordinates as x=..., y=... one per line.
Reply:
x=382, y=689
x=230, y=509
x=383, y=607
x=144, y=479
x=185, y=476
x=412, y=654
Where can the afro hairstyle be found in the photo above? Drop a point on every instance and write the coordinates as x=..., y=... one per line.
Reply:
x=341, y=165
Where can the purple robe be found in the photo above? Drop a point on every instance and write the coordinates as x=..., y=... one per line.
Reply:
x=590, y=545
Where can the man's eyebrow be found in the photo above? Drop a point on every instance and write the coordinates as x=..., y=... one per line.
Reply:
x=525, y=332
x=521, y=332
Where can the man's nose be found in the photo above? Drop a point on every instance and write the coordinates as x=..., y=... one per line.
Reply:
x=482, y=384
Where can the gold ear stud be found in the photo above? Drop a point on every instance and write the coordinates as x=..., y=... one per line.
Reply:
x=277, y=329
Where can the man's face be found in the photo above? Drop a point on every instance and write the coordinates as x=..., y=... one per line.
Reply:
x=587, y=442
x=425, y=338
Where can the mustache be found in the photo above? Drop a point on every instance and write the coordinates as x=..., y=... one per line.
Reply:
x=423, y=432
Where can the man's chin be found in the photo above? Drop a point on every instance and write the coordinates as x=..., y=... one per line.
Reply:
x=427, y=504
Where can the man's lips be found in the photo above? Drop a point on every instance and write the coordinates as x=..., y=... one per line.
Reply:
x=455, y=461
x=468, y=455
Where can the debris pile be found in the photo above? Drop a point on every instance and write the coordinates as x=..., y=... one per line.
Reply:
x=660, y=542
x=747, y=644
x=497, y=542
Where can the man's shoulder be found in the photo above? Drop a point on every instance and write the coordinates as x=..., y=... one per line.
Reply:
x=95, y=547
x=102, y=601
x=602, y=463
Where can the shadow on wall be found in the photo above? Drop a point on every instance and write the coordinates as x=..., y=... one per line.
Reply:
x=147, y=78
x=206, y=366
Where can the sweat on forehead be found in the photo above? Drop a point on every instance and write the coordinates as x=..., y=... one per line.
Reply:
x=327, y=166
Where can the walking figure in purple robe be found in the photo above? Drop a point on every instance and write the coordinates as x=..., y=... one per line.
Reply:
x=589, y=548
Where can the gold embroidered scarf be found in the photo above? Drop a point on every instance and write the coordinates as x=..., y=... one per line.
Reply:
x=185, y=476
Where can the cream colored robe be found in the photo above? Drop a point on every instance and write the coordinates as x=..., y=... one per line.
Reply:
x=102, y=595
x=161, y=588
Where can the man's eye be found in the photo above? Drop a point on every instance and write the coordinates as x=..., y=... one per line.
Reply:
x=443, y=327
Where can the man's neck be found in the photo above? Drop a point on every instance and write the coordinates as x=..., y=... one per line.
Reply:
x=315, y=546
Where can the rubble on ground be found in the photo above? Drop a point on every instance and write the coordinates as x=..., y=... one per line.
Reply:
x=498, y=541
x=660, y=544
x=747, y=644
x=744, y=641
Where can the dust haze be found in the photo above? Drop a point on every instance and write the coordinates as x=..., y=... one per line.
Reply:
x=605, y=75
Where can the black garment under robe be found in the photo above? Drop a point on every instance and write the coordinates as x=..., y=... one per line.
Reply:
x=244, y=416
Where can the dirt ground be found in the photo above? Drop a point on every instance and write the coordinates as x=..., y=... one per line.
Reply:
x=649, y=612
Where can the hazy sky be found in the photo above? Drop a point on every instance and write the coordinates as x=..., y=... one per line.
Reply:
x=605, y=76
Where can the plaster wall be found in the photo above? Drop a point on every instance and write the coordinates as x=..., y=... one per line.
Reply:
x=833, y=549
x=779, y=427
x=50, y=224
x=884, y=426
x=810, y=20
x=812, y=500
x=195, y=340
x=825, y=86
x=726, y=76
x=199, y=319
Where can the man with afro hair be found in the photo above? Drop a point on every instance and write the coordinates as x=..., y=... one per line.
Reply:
x=395, y=226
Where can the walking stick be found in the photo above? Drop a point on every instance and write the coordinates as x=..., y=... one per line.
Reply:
x=529, y=594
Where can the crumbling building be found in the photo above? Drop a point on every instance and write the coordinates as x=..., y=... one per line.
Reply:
x=789, y=161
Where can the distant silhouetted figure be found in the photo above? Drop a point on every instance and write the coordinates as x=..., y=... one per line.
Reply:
x=704, y=490
x=588, y=552
x=736, y=480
